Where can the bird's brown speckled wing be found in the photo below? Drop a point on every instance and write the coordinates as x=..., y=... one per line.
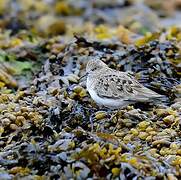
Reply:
x=122, y=86
x=114, y=86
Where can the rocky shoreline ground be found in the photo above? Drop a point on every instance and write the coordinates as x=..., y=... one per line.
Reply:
x=50, y=128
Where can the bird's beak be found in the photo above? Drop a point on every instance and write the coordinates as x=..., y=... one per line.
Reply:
x=85, y=75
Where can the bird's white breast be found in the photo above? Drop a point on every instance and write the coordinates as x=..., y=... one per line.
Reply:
x=110, y=103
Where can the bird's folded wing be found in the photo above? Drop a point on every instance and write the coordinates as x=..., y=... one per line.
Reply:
x=114, y=87
x=123, y=87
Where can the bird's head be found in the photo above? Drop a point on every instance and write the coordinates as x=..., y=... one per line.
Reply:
x=94, y=65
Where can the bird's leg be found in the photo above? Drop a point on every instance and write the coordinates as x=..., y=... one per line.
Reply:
x=102, y=108
x=114, y=113
x=91, y=118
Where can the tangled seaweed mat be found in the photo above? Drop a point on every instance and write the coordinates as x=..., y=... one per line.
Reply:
x=49, y=126
x=46, y=131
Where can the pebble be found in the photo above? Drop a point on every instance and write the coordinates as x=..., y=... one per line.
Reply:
x=143, y=135
x=10, y=116
x=169, y=119
x=5, y=122
x=162, y=142
x=100, y=115
x=13, y=126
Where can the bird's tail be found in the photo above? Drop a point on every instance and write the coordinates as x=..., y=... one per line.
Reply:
x=162, y=99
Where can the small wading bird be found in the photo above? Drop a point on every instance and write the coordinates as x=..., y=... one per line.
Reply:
x=115, y=89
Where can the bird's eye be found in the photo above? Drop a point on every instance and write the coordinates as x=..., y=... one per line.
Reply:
x=94, y=69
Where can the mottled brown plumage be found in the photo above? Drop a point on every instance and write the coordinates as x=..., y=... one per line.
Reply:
x=115, y=89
